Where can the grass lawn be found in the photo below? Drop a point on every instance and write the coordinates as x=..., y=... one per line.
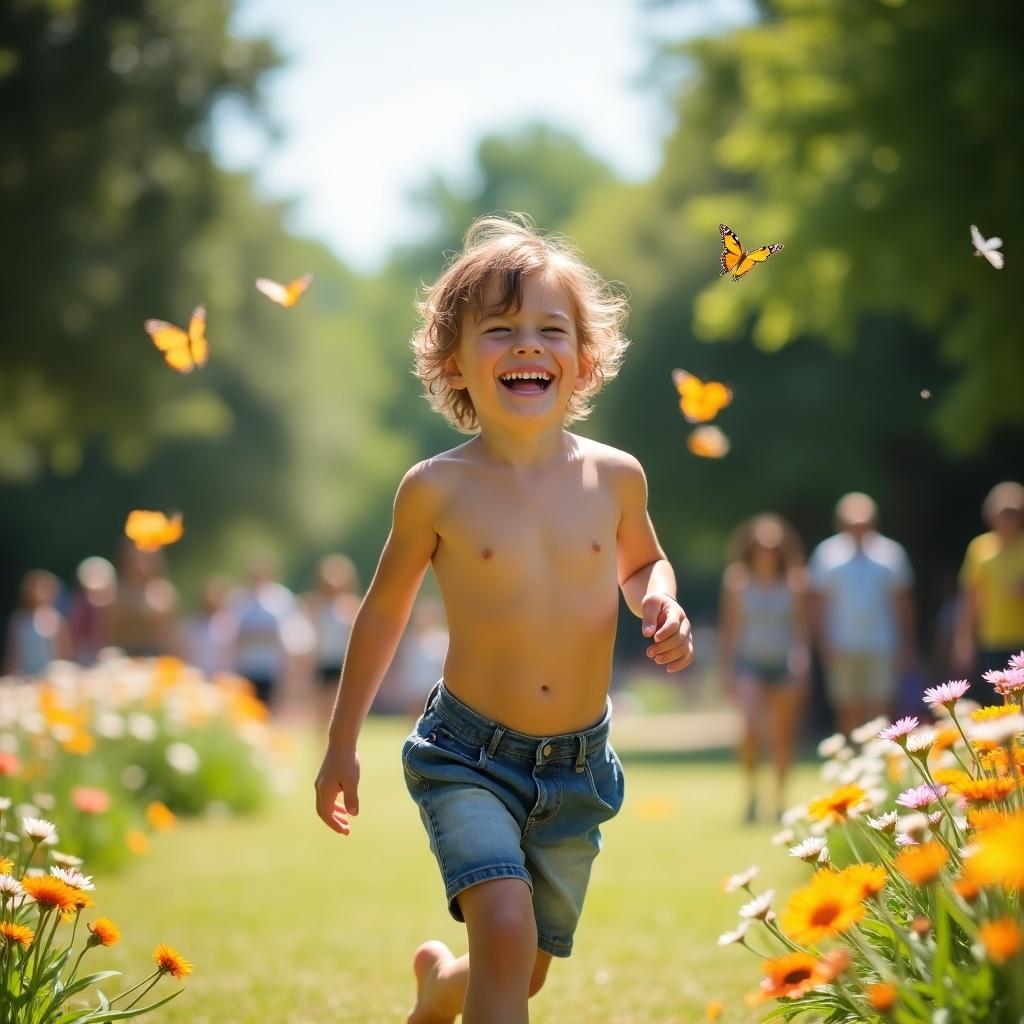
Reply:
x=287, y=922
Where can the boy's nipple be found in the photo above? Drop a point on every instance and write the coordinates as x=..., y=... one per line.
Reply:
x=486, y=553
x=595, y=546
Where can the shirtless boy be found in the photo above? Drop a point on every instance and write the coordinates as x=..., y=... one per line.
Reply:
x=530, y=530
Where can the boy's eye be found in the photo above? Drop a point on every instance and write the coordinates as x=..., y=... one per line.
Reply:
x=557, y=330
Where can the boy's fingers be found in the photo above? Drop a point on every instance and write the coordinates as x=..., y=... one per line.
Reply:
x=651, y=608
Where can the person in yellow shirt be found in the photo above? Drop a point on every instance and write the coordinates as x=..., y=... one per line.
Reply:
x=990, y=622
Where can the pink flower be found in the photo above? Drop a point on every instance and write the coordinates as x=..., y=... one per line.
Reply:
x=921, y=796
x=90, y=799
x=946, y=694
x=1006, y=681
x=9, y=763
x=1017, y=660
x=899, y=732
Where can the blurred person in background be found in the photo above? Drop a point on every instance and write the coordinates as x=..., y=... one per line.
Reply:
x=36, y=633
x=764, y=644
x=260, y=614
x=424, y=652
x=90, y=618
x=331, y=608
x=990, y=619
x=863, y=614
x=145, y=606
x=208, y=635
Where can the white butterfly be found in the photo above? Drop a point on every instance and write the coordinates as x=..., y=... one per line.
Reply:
x=987, y=247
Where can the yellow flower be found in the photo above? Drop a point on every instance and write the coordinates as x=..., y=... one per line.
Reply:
x=714, y=1009
x=80, y=742
x=949, y=776
x=5, y=865
x=50, y=893
x=837, y=805
x=980, y=818
x=921, y=864
x=881, y=996
x=996, y=711
x=137, y=842
x=1001, y=939
x=160, y=816
x=999, y=858
x=825, y=908
x=170, y=961
x=984, y=790
x=16, y=933
x=871, y=878
x=104, y=932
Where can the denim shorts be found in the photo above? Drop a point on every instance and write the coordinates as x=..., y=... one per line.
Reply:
x=502, y=804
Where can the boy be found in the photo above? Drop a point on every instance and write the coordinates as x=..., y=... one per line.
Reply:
x=529, y=528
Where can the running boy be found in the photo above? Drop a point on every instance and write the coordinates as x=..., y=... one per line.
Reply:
x=529, y=528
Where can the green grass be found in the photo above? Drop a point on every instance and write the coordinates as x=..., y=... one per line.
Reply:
x=288, y=923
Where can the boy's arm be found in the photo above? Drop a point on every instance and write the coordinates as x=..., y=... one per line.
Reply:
x=647, y=581
x=376, y=631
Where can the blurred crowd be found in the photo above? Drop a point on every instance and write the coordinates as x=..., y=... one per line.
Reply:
x=289, y=646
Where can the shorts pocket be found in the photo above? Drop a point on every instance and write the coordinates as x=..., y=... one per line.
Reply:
x=428, y=750
x=604, y=771
x=455, y=747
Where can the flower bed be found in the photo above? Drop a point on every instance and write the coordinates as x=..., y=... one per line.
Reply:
x=913, y=910
x=114, y=752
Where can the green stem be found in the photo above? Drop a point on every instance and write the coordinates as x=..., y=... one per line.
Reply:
x=144, y=991
x=967, y=742
x=128, y=991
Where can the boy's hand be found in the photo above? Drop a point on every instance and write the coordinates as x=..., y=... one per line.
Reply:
x=666, y=623
x=338, y=778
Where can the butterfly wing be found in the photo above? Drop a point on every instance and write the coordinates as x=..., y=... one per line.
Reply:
x=732, y=251
x=296, y=288
x=708, y=442
x=995, y=257
x=150, y=531
x=752, y=258
x=275, y=292
x=198, y=346
x=173, y=342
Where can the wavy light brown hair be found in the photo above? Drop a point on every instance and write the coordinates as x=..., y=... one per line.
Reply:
x=504, y=251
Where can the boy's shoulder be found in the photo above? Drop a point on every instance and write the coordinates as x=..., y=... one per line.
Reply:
x=607, y=457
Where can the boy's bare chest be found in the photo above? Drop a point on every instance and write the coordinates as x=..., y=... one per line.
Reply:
x=562, y=528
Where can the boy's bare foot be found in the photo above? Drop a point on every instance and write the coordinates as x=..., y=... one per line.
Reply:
x=426, y=964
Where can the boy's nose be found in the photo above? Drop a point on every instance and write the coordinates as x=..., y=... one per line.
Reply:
x=529, y=343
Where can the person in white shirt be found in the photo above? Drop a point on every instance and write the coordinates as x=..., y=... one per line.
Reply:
x=863, y=613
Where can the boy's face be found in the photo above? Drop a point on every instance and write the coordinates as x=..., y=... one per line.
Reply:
x=523, y=363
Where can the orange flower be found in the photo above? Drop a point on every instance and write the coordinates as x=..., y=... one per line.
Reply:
x=16, y=933
x=160, y=816
x=870, y=877
x=966, y=889
x=838, y=804
x=949, y=776
x=881, y=996
x=50, y=892
x=921, y=864
x=104, y=932
x=944, y=739
x=984, y=790
x=999, y=858
x=980, y=818
x=1001, y=939
x=714, y=1009
x=137, y=842
x=80, y=742
x=170, y=961
x=790, y=977
x=825, y=908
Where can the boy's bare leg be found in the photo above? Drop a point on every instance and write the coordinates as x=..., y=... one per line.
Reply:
x=508, y=968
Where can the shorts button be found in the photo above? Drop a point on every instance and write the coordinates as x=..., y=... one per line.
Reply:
x=547, y=750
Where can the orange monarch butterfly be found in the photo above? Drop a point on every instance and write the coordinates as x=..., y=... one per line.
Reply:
x=708, y=442
x=284, y=294
x=700, y=400
x=150, y=531
x=735, y=259
x=183, y=351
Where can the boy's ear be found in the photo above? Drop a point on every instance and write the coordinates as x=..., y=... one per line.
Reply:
x=453, y=373
x=583, y=377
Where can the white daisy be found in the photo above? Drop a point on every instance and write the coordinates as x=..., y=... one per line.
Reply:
x=38, y=829
x=759, y=907
x=884, y=822
x=10, y=886
x=810, y=849
x=869, y=730
x=741, y=880
x=738, y=934
x=831, y=745
x=69, y=876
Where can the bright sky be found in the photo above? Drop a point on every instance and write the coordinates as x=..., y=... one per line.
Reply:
x=376, y=97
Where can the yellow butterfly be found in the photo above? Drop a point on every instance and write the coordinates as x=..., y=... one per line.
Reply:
x=183, y=351
x=736, y=260
x=284, y=294
x=700, y=400
x=150, y=531
x=708, y=442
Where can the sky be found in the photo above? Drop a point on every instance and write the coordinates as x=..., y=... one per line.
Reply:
x=375, y=98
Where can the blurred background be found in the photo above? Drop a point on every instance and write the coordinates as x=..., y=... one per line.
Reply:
x=155, y=154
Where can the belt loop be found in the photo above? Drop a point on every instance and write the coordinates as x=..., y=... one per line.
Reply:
x=495, y=740
x=430, y=696
x=581, y=757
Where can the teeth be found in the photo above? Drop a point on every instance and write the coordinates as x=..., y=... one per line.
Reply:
x=526, y=376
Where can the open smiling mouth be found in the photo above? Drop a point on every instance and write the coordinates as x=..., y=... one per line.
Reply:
x=533, y=383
